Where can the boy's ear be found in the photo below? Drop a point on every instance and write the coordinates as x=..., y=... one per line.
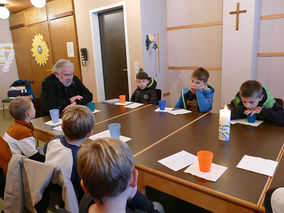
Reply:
x=90, y=133
x=83, y=187
x=134, y=178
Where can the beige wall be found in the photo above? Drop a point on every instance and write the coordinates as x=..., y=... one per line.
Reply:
x=82, y=9
x=7, y=78
x=195, y=46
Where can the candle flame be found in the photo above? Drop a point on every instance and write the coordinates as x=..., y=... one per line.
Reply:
x=225, y=107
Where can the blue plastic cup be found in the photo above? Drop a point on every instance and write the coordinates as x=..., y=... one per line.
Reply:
x=91, y=106
x=114, y=129
x=162, y=105
x=251, y=119
x=54, y=114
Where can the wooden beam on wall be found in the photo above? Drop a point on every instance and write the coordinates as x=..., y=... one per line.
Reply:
x=274, y=16
x=270, y=54
x=193, y=67
x=207, y=24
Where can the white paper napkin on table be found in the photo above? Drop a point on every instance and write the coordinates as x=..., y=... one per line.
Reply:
x=50, y=123
x=215, y=172
x=167, y=109
x=245, y=122
x=134, y=105
x=106, y=133
x=179, y=112
x=126, y=102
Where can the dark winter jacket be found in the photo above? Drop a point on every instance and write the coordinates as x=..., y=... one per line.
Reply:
x=147, y=95
x=55, y=95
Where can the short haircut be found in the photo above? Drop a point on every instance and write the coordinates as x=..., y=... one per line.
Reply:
x=19, y=107
x=250, y=88
x=105, y=165
x=201, y=74
x=77, y=122
x=62, y=63
x=141, y=75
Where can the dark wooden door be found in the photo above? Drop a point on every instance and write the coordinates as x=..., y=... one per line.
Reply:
x=113, y=53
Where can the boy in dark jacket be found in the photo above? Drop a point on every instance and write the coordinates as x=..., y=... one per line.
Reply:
x=253, y=98
x=145, y=92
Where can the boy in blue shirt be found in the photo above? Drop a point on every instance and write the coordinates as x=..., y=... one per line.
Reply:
x=199, y=96
x=253, y=98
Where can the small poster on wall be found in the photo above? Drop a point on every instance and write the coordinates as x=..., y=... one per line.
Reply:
x=70, y=49
x=7, y=55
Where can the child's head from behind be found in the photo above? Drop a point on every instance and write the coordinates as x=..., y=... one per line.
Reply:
x=105, y=166
x=142, y=80
x=77, y=122
x=22, y=108
x=251, y=93
x=199, y=79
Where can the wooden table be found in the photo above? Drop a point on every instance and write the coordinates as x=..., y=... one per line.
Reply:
x=107, y=112
x=236, y=190
x=143, y=125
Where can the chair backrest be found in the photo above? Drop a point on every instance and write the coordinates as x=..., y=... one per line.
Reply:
x=159, y=94
x=28, y=179
x=5, y=155
x=279, y=101
x=36, y=103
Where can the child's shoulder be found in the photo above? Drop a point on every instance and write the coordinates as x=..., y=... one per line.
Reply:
x=19, y=130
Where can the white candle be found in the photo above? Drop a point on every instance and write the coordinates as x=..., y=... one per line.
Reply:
x=224, y=124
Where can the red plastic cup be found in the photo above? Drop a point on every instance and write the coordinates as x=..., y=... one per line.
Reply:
x=205, y=160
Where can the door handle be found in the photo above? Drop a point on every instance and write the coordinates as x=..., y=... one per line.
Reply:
x=124, y=70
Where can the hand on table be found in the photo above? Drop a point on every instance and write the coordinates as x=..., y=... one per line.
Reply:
x=69, y=106
x=256, y=110
x=74, y=98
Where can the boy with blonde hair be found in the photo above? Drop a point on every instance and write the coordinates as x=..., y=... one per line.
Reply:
x=61, y=151
x=106, y=167
x=199, y=96
x=252, y=99
x=19, y=135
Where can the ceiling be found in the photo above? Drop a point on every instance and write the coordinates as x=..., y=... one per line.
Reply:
x=17, y=5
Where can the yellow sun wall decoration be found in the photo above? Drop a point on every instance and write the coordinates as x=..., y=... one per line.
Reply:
x=40, y=50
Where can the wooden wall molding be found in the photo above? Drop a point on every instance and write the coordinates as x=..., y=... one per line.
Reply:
x=273, y=16
x=207, y=24
x=193, y=67
x=16, y=26
x=61, y=15
x=166, y=94
x=271, y=54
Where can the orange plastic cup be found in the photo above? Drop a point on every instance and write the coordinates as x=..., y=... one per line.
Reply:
x=122, y=99
x=205, y=160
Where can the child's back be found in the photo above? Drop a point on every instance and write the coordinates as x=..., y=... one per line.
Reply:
x=61, y=151
x=19, y=135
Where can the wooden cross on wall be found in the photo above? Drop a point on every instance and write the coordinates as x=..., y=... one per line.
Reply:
x=237, y=12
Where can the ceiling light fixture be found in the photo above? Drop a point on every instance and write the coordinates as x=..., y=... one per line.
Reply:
x=4, y=12
x=38, y=3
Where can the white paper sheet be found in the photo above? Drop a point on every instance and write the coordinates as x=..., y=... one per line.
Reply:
x=179, y=160
x=50, y=123
x=167, y=109
x=106, y=133
x=70, y=49
x=134, y=105
x=123, y=104
x=179, y=112
x=258, y=165
x=96, y=110
x=58, y=128
x=245, y=122
x=215, y=172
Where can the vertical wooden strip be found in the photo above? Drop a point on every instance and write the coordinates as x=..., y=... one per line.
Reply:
x=159, y=63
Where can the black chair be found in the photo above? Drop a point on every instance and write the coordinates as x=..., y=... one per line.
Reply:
x=159, y=94
x=279, y=101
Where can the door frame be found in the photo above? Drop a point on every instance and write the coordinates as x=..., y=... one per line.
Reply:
x=95, y=32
